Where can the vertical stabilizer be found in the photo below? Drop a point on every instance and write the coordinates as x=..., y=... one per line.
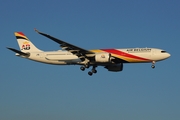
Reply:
x=25, y=44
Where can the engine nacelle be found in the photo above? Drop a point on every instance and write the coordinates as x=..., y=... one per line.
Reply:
x=103, y=57
x=115, y=68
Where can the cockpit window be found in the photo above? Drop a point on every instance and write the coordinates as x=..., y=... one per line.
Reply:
x=163, y=51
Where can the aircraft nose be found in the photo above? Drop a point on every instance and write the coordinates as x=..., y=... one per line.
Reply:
x=168, y=55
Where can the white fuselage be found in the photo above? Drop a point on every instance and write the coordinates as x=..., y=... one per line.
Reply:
x=64, y=57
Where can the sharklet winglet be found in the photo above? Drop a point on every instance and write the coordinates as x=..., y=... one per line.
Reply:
x=36, y=30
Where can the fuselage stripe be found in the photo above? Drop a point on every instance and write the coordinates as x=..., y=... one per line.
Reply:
x=118, y=52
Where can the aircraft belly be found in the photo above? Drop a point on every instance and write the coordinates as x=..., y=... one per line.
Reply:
x=61, y=58
x=67, y=59
x=55, y=59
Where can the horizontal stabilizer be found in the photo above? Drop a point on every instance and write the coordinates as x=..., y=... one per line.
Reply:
x=19, y=52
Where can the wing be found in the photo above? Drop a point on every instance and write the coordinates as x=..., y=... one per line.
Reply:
x=80, y=52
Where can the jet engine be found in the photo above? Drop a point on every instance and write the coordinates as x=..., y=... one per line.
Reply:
x=115, y=67
x=103, y=57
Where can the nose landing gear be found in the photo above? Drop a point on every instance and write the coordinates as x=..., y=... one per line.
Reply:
x=153, y=64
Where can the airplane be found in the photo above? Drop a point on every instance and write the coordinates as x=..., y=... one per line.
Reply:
x=111, y=59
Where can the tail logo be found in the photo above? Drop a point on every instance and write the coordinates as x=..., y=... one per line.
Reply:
x=26, y=46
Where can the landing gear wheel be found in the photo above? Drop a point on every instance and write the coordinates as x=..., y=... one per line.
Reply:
x=90, y=73
x=82, y=68
x=86, y=65
x=153, y=66
x=94, y=71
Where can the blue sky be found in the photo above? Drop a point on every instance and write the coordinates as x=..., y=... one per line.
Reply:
x=31, y=90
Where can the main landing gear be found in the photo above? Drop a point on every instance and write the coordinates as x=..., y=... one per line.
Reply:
x=84, y=67
x=153, y=64
x=90, y=72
